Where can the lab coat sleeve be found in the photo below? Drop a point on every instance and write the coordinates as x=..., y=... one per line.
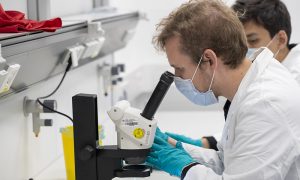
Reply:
x=258, y=150
x=201, y=172
x=207, y=157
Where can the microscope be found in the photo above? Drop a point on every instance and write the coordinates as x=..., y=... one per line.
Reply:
x=135, y=136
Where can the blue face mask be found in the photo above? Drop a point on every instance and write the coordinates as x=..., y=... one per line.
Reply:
x=250, y=52
x=187, y=88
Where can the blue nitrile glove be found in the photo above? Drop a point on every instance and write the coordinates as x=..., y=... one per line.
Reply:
x=182, y=138
x=167, y=158
x=161, y=134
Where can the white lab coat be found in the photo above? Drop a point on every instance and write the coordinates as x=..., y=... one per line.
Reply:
x=261, y=136
x=292, y=62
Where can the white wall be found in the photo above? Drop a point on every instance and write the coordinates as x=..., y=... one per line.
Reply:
x=293, y=7
x=22, y=155
x=57, y=7
x=14, y=5
x=70, y=7
x=140, y=50
x=156, y=9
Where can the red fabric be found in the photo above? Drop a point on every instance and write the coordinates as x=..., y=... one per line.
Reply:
x=14, y=21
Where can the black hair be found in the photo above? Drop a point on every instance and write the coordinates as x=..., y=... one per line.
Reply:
x=271, y=14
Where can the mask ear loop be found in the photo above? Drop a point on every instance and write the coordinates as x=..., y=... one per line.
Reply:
x=212, y=79
x=197, y=68
x=276, y=53
x=269, y=45
x=271, y=41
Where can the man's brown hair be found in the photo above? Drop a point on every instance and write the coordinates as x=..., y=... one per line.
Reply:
x=205, y=24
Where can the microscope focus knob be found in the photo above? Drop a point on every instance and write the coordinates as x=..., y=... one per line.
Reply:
x=87, y=153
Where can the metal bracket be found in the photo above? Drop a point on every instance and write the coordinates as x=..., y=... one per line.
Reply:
x=32, y=106
x=8, y=74
x=99, y=3
x=3, y=64
x=38, y=9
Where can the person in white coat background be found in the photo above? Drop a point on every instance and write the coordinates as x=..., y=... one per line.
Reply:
x=266, y=23
x=206, y=45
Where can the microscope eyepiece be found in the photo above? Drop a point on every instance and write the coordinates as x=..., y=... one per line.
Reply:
x=158, y=94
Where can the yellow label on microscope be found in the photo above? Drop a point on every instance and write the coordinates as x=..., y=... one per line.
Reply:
x=138, y=133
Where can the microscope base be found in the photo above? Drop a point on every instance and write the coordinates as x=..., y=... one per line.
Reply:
x=110, y=163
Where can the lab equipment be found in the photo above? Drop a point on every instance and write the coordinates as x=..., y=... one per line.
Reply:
x=2, y=60
x=74, y=53
x=106, y=74
x=92, y=48
x=8, y=73
x=7, y=77
x=3, y=75
x=168, y=158
x=185, y=139
x=161, y=135
x=119, y=92
x=33, y=107
x=41, y=54
x=12, y=72
x=135, y=134
x=67, y=136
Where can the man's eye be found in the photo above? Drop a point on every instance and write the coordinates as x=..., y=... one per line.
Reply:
x=252, y=41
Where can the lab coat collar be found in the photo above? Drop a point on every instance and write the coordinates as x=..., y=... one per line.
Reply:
x=257, y=52
x=294, y=52
x=261, y=58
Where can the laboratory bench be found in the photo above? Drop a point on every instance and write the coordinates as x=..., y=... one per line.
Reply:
x=191, y=123
x=57, y=172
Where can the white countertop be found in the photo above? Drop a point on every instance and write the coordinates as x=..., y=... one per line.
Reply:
x=57, y=172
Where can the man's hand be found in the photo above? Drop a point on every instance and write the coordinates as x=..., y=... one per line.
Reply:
x=167, y=158
x=184, y=139
x=161, y=135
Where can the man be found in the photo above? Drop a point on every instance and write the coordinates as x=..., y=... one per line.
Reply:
x=266, y=23
x=205, y=43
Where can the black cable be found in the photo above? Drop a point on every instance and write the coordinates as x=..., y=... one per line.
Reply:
x=54, y=110
x=53, y=92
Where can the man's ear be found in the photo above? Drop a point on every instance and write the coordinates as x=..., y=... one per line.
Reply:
x=282, y=39
x=210, y=56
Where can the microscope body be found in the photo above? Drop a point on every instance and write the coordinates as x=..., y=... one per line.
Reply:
x=133, y=130
x=104, y=162
x=135, y=133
